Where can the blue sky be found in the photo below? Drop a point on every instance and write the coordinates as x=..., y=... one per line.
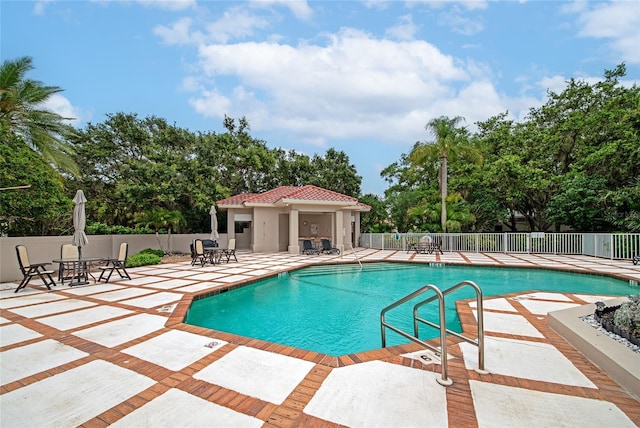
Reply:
x=363, y=77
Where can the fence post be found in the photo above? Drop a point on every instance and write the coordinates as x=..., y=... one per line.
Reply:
x=613, y=246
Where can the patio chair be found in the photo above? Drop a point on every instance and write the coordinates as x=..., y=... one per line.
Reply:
x=197, y=253
x=308, y=248
x=65, y=270
x=327, y=248
x=423, y=246
x=116, y=264
x=230, y=251
x=29, y=270
x=636, y=259
x=436, y=245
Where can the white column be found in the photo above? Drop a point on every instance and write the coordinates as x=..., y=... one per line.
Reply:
x=231, y=223
x=341, y=232
x=294, y=245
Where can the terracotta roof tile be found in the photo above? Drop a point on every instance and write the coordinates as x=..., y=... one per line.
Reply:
x=273, y=196
x=304, y=193
x=236, y=199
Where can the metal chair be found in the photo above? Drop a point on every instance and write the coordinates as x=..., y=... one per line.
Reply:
x=230, y=251
x=65, y=270
x=116, y=264
x=29, y=270
x=198, y=255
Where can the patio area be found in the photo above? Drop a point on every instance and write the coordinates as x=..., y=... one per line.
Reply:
x=118, y=354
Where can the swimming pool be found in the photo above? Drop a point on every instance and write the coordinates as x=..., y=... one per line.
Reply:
x=335, y=310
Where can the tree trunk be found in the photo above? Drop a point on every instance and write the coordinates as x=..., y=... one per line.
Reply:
x=443, y=192
x=159, y=243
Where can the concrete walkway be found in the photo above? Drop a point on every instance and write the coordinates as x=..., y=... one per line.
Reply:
x=118, y=353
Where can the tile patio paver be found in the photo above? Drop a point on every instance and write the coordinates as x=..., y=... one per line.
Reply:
x=43, y=355
x=176, y=408
x=83, y=392
x=117, y=332
x=174, y=350
x=505, y=406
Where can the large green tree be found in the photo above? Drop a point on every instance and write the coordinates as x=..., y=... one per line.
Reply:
x=40, y=209
x=22, y=114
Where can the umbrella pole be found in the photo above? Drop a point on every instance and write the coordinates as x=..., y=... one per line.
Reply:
x=81, y=274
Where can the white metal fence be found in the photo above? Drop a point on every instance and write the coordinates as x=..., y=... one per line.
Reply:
x=608, y=245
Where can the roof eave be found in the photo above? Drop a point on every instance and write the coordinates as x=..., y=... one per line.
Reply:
x=317, y=202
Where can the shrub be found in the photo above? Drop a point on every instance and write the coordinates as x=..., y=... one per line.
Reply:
x=627, y=317
x=104, y=229
x=143, y=259
x=157, y=252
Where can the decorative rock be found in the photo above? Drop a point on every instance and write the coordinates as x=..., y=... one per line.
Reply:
x=591, y=320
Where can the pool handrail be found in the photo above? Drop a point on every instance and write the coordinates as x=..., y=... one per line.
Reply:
x=444, y=379
x=479, y=342
x=353, y=251
x=442, y=352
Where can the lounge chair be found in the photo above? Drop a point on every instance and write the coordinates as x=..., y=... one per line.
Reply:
x=116, y=264
x=65, y=270
x=436, y=245
x=308, y=248
x=230, y=251
x=327, y=248
x=426, y=245
x=197, y=253
x=29, y=270
x=423, y=246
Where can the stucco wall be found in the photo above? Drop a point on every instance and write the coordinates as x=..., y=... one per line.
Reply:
x=46, y=248
x=265, y=230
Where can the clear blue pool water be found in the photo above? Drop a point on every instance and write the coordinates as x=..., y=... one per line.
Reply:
x=335, y=310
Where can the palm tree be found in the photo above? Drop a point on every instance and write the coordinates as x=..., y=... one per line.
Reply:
x=22, y=115
x=450, y=142
x=160, y=218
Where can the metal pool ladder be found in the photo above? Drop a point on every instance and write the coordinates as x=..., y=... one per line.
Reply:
x=355, y=255
x=442, y=352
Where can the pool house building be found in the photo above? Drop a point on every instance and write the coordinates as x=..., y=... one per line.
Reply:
x=280, y=219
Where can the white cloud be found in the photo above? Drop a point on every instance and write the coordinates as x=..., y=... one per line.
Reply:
x=439, y=4
x=376, y=4
x=179, y=33
x=236, y=23
x=404, y=30
x=299, y=8
x=354, y=87
x=618, y=21
x=59, y=104
x=211, y=104
x=40, y=6
x=555, y=83
x=461, y=24
x=173, y=5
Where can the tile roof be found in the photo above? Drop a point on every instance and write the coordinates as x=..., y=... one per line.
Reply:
x=236, y=199
x=291, y=193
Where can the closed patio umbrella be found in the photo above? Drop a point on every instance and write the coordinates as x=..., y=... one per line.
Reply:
x=214, y=223
x=79, y=222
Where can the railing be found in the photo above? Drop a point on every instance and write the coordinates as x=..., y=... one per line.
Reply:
x=620, y=246
x=442, y=326
x=353, y=251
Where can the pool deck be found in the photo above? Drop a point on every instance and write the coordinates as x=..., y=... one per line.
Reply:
x=119, y=354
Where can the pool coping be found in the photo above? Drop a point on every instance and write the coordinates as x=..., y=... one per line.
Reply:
x=619, y=362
